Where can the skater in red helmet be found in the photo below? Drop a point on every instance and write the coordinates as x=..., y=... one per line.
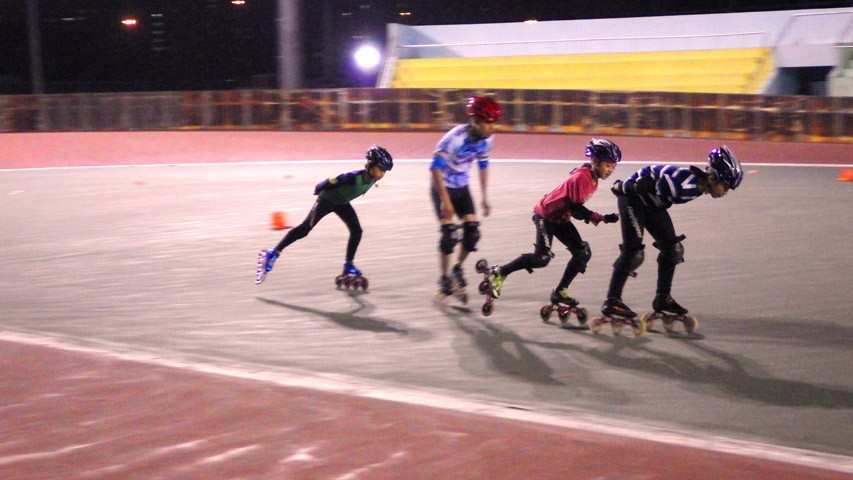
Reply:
x=451, y=166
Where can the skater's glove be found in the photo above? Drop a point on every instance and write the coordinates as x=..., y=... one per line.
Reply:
x=617, y=188
x=595, y=218
x=611, y=218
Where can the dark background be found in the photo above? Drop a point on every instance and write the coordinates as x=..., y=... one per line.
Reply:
x=214, y=44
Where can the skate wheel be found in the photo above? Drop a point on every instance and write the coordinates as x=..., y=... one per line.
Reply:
x=484, y=287
x=488, y=308
x=616, y=327
x=364, y=283
x=639, y=327
x=690, y=323
x=482, y=266
x=582, y=315
x=545, y=313
x=339, y=280
x=648, y=319
x=564, y=316
x=596, y=324
x=668, y=324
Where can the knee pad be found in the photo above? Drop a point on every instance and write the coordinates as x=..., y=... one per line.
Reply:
x=632, y=258
x=580, y=256
x=671, y=253
x=470, y=235
x=449, y=238
x=539, y=260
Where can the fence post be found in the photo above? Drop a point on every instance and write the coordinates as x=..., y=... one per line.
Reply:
x=206, y=109
x=245, y=108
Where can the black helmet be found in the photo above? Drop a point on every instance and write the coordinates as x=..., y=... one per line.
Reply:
x=604, y=150
x=726, y=167
x=378, y=156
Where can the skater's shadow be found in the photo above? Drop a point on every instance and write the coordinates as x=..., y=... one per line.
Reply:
x=726, y=374
x=356, y=322
x=506, y=350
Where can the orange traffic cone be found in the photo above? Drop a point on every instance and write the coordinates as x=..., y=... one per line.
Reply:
x=846, y=175
x=279, y=221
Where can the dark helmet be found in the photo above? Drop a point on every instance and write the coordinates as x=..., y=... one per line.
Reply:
x=726, y=167
x=604, y=150
x=378, y=156
x=486, y=108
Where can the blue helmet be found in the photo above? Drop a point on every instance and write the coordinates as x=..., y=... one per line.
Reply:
x=379, y=157
x=604, y=150
x=726, y=167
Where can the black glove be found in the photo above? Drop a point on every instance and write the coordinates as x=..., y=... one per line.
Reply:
x=611, y=218
x=617, y=188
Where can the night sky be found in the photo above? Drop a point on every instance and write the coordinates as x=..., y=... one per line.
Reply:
x=214, y=44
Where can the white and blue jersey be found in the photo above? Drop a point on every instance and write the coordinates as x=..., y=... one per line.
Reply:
x=456, y=152
x=672, y=184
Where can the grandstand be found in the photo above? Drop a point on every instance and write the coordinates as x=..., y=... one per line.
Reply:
x=748, y=53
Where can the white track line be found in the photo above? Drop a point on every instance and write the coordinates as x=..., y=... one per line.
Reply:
x=402, y=160
x=342, y=384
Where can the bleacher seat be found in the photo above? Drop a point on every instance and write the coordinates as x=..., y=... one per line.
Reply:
x=743, y=70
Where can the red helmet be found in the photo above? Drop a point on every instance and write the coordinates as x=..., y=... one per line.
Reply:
x=486, y=108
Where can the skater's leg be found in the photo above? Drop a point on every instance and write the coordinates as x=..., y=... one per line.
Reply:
x=446, y=243
x=350, y=218
x=632, y=222
x=568, y=235
x=671, y=253
x=320, y=209
x=541, y=254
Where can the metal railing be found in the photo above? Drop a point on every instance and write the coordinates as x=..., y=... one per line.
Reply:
x=759, y=117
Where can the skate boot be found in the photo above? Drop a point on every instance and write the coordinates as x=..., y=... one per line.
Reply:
x=445, y=287
x=266, y=260
x=496, y=281
x=667, y=304
x=565, y=306
x=618, y=315
x=668, y=311
x=351, y=277
x=615, y=307
x=459, y=283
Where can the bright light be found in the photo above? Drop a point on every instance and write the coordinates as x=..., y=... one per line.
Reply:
x=367, y=57
x=129, y=22
x=238, y=2
x=531, y=20
x=405, y=14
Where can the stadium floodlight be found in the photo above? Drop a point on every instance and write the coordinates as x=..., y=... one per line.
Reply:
x=129, y=22
x=367, y=57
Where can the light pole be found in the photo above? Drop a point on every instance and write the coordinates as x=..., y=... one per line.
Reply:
x=36, y=71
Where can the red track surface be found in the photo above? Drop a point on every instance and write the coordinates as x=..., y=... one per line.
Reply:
x=78, y=415
x=119, y=148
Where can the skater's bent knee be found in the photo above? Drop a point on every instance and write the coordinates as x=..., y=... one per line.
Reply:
x=449, y=238
x=671, y=254
x=632, y=257
x=581, y=255
x=470, y=235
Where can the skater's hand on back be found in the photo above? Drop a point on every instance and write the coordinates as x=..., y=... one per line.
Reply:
x=611, y=218
x=617, y=188
x=595, y=218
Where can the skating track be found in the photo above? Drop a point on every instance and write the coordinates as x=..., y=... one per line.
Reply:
x=143, y=272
